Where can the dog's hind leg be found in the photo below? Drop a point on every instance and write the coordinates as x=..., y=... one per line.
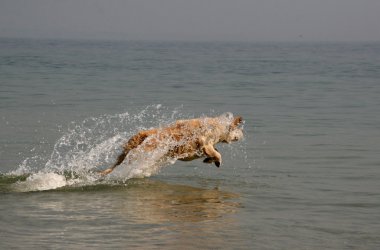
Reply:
x=120, y=159
x=132, y=143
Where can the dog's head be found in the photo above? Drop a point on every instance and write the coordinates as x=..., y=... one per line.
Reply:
x=234, y=130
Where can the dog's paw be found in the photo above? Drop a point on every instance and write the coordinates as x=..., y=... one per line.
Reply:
x=208, y=160
x=217, y=163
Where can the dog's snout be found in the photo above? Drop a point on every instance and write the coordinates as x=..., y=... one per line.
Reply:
x=236, y=135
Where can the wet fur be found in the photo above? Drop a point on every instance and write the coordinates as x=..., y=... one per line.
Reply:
x=190, y=139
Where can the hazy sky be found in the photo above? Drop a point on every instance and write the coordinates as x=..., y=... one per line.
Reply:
x=241, y=20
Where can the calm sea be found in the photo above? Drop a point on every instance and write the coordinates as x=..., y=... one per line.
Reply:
x=307, y=175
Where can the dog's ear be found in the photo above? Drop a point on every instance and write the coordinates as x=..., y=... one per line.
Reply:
x=237, y=120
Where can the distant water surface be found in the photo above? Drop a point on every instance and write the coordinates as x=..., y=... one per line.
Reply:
x=307, y=175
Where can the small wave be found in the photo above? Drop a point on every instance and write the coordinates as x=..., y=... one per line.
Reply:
x=40, y=182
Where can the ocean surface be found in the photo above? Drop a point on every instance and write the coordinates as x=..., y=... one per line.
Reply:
x=306, y=176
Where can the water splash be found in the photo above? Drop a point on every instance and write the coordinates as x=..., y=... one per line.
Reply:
x=91, y=145
x=94, y=144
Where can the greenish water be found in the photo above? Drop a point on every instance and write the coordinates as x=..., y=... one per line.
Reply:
x=307, y=175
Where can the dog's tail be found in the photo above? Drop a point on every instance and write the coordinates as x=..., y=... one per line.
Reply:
x=132, y=143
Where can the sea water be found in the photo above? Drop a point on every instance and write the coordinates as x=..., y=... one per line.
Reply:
x=306, y=176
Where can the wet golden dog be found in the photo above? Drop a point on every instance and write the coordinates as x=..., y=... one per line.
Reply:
x=186, y=140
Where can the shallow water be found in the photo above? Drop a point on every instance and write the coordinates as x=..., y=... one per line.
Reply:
x=307, y=175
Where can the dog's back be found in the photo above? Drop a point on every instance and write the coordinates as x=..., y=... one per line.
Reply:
x=179, y=133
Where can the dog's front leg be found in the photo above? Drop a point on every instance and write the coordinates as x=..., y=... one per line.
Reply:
x=212, y=155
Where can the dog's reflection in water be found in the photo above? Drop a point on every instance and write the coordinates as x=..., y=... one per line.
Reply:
x=151, y=201
x=143, y=214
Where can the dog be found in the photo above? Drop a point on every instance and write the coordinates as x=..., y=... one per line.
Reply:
x=185, y=140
